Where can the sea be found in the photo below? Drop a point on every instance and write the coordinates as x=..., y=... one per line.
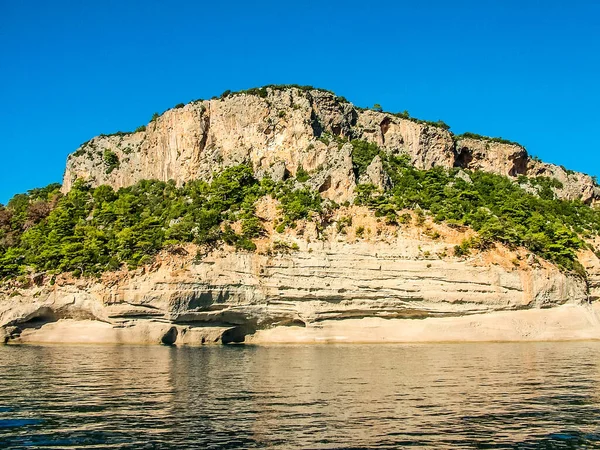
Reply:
x=475, y=395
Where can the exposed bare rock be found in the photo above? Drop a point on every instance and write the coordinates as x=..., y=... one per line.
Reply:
x=335, y=179
x=427, y=146
x=576, y=185
x=230, y=295
x=277, y=172
x=563, y=323
x=289, y=128
x=376, y=174
x=591, y=263
x=462, y=175
x=489, y=156
x=372, y=274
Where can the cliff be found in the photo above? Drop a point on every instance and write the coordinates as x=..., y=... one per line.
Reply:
x=283, y=129
x=396, y=285
x=346, y=273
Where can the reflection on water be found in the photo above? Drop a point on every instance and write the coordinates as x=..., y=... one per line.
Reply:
x=534, y=395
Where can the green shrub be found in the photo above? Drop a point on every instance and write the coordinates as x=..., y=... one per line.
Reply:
x=485, y=138
x=301, y=174
x=438, y=124
x=252, y=228
x=391, y=218
x=324, y=138
x=342, y=223
x=246, y=244
x=284, y=247
x=363, y=153
x=298, y=204
x=463, y=249
x=111, y=161
x=360, y=231
x=404, y=218
x=81, y=151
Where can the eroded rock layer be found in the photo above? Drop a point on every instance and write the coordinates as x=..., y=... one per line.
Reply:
x=382, y=286
x=229, y=296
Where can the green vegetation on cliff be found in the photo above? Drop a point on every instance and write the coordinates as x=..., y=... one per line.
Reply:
x=499, y=209
x=89, y=231
x=469, y=135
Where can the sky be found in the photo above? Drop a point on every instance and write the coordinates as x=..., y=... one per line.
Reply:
x=525, y=70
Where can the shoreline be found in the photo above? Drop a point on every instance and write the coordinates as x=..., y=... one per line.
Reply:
x=564, y=323
x=569, y=322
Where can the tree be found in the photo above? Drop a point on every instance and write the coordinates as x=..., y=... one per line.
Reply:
x=111, y=160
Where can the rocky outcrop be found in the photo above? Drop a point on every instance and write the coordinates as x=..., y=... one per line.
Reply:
x=489, y=156
x=228, y=296
x=376, y=175
x=287, y=128
x=575, y=185
x=385, y=282
x=427, y=146
x=275, y=135
x=563, y=323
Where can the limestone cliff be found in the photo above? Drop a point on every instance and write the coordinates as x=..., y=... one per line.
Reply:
x=287, y=128
x=363, y=281
x=394, y=275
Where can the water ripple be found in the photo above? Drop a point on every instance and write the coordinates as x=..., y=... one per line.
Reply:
x=513, y=396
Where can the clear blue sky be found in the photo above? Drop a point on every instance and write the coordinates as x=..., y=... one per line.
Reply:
x=524, y=70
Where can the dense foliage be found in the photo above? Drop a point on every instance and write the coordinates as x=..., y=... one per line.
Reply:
x=89, y=231
x=499, y=209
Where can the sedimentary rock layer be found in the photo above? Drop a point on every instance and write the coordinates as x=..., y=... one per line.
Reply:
x=228, y=296
x=391, y=286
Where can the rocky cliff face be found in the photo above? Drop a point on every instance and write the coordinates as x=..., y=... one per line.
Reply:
x=314, y=281
x=229, y=296
x=289, y=128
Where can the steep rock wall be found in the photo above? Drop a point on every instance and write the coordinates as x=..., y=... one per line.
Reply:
x=290, y=128
x=235, y=294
